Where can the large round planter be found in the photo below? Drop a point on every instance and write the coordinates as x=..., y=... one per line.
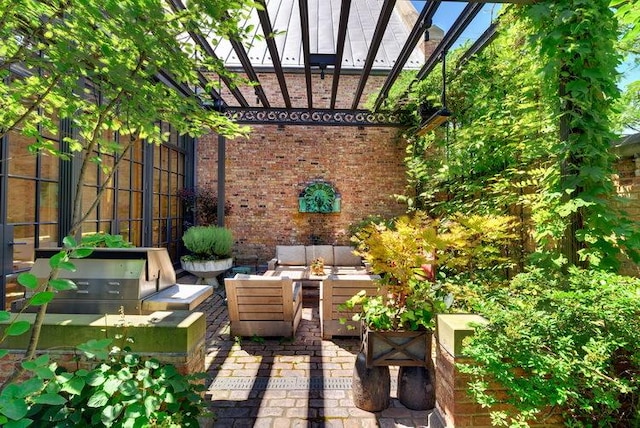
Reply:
x=207, y=270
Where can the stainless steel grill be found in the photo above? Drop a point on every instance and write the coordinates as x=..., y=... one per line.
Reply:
x=142, y=280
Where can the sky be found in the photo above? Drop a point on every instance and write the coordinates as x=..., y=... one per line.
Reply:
x=450, y=10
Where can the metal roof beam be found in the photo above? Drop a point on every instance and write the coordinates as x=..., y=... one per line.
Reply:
x=463, y=21
x=483, y=41
x=168, y=80
x=197, y=37
x=306, y=50
x=381, y=26
x=422, y=24
x=342, y=36
x=239, y=49
x=267, y=29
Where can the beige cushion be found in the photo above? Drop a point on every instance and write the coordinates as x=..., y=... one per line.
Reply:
x=324, y=251
x=343, y=256
x=290, y=255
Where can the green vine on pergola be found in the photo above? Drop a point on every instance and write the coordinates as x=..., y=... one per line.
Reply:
x=552, y=135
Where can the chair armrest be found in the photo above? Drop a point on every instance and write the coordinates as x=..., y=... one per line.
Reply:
x=271, y=264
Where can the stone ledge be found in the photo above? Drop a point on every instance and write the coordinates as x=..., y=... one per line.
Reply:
x=161, y=331
x=451, y=329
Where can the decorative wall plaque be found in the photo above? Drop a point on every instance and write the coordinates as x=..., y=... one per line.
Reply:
x=319, y=197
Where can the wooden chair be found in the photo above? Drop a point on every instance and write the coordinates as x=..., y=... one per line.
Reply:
x=336, y=290
x=263, y=306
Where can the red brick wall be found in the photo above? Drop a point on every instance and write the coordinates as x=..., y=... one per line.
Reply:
x=266, y=172
x=458, y=409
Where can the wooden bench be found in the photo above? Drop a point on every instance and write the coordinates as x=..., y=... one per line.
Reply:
x=263, y=306
x=335, y=290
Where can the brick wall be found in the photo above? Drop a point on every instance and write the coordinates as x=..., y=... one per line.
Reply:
x=266, y=173
x=457, y=408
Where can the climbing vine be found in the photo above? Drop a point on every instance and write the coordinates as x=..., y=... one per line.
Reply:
x=530, y=135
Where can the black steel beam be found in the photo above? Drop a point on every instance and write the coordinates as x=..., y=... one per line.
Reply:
x=483, y=41
x=463, y=21
x=342, y=36
x=304, y=24
x=238, y=47
x=197, y=37
x=166, y=78
x=322, y=117
x=381, y=26
x=267, y=29
x=422, y=24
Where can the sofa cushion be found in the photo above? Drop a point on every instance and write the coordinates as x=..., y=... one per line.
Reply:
x=343, y=256
x=290, y=255
x=324, y=251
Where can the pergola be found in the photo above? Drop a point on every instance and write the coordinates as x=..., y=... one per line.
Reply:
x=281, y=111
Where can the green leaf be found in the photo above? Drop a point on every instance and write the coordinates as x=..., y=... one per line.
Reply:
x=69, y=242
x=42, y=298
x=128, y=388
x=62, y=284
x=15, y=409
x=56, y=259
x=3, y=353
x=95, y=378
x=111, y=385
x=151, y=403
x=22, y=423
x=74, y=385
x=99, y=399
x=111, y=413
x=28, y=280
x=18, y=328
x=68, y=266
x=96, y=348
x=81, y=253
x=50, y=399
x=134, y=411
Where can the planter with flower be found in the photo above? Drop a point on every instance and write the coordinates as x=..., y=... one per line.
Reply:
x=210, y=249
x=398, y=322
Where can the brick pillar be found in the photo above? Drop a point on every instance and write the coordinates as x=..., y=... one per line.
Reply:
x=454, y=406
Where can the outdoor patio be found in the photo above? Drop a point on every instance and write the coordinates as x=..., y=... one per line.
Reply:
x=278, y=382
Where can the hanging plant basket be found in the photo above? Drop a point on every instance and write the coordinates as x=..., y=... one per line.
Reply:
x=397, y=348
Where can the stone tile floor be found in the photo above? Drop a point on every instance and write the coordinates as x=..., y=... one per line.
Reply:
x=283, y=382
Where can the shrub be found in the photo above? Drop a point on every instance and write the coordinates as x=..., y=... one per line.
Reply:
x=208, y=242
x=124, y=390
x=561, y=340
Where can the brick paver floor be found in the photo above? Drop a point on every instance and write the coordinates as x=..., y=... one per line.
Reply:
x=282, y=382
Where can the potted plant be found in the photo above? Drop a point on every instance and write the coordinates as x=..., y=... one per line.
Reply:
x=210, y=248
x=317, y=266
x=398, y=321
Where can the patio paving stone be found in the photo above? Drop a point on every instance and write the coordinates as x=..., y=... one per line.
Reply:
x=282, y=382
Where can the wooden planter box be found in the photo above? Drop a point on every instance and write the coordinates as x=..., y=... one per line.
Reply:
x=397, y=348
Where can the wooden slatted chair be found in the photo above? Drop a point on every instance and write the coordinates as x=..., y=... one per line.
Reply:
x=334, y=291
x=263, y=306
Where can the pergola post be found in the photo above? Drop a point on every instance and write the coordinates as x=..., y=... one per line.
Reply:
x=221, y=178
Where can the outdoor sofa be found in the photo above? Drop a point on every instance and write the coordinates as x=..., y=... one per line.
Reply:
x=294, y=260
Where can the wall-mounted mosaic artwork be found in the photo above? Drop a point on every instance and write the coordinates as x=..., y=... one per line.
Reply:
x=319, y=197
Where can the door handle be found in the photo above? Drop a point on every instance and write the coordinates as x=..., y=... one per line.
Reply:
x=17, y=243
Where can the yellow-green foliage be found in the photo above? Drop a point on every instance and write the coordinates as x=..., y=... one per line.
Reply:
x=458, y=244
x=397, y=251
